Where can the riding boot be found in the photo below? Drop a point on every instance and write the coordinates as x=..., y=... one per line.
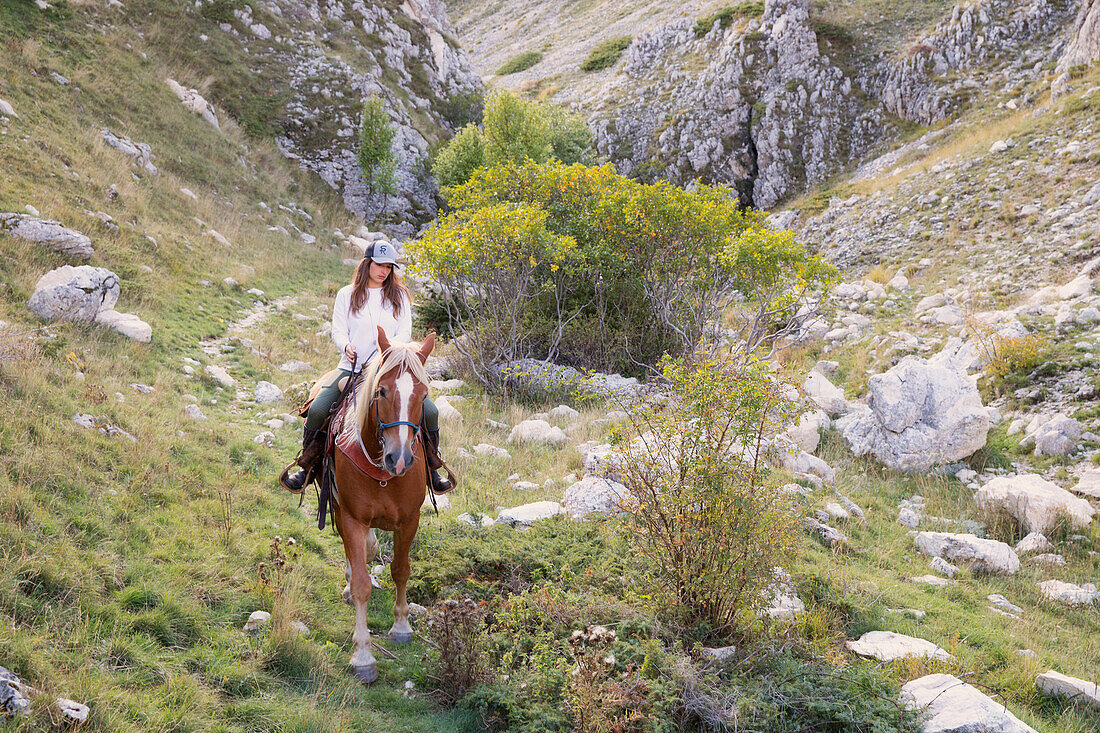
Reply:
x=313, y=449
x=436, y=483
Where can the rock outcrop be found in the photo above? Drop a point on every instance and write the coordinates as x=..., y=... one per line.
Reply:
x=1084, y=48
x=51, y=234
x=1037, y=504
x=917, y=416
x=980, y=555
x=952, y=706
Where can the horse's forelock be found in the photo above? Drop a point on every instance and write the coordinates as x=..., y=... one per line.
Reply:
x=399, y=356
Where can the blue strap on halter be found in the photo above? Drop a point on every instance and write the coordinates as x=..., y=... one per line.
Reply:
x=383, y=425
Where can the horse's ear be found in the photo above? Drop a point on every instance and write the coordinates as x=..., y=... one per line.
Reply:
x=426, y=347
x=383, y=341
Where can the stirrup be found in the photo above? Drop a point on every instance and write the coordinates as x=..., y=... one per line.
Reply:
x=285, y=476
x=434, y=478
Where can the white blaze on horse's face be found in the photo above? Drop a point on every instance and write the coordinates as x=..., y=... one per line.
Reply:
x=404, y=389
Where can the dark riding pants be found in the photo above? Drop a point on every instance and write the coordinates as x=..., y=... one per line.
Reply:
x=322, y=403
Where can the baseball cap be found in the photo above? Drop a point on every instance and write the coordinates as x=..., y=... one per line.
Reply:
x=383, y=253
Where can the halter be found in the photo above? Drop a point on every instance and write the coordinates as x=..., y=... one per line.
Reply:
x=384, y=425
x=381, y=443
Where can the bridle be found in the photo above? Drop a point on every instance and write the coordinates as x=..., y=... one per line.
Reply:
x=381, y=443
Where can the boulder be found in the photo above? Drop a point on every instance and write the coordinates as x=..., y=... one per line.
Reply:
x=7, y=110
x=14, y=695
x=52, y=234
x=565, y=413
x=447, y=385
x=806, y=433
x=977, y=554
x=603, y=460
x=887, y=646
x=1003, y=603
x=447, y=411
x=961, y=355
x=918, y=416
x=194, y=412
x=194, y=101
x=267, y=393
x=594, y=494
x=1060, y=685
x=1037, y=504
x=537, y=431
x=825, y=394
x=1033, y=542
x=128, y=324
x=1088, y=484
x=801, y=463
x=527, y=514
x=783, y=600
x=257, y=620
x=952, y=706
x=219, y=375
x=1074, y=595
x=140, y=152
x=72, y=710
x=492, y=451
x=832, y=536
x=74, y=293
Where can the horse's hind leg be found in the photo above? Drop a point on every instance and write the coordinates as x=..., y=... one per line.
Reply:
x=371, y=553
x=363, y=664
x=402, y=632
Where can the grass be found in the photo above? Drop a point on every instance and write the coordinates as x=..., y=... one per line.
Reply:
x=725, y=16
x=606, y=54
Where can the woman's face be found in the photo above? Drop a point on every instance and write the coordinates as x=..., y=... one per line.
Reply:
x=378, y=273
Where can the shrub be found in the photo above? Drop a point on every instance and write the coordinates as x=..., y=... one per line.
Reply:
x=606, y=54
x=516, y=64
x=457, y=161
x=651, y=269
x=700, y=508
x=513, y=130
x=457, y=633
x=462, y=108
x=375, y=153
x=725, y=16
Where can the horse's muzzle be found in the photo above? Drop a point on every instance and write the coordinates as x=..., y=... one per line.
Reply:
x=398, y=461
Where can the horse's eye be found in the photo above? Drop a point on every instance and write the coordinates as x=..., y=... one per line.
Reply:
x=382, y=393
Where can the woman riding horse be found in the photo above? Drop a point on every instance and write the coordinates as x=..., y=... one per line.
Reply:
x=375, y=298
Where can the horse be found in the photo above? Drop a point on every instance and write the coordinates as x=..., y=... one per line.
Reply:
x=385, y=425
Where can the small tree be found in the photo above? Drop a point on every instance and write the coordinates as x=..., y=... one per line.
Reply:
x=376, y=158
x=457, y=160
x=700, y=506
x=515, y=130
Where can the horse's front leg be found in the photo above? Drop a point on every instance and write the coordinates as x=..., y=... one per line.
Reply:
x=402, y=632
x=354, y=534
x=372, y=552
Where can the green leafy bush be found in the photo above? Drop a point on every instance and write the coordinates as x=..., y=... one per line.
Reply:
x=725, y=16
x=513, y=130
x=606, y=54
x=639, y=269
x=516, y=64
x=702, y=511
x=375, y=154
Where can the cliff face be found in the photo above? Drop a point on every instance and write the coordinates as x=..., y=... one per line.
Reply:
x=336, y=54
x=779, y=103
x=1084, y=48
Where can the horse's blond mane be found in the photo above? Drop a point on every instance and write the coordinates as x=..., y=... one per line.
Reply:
x=398, y=355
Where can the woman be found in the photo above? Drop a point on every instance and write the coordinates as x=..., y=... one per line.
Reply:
x=376, y=297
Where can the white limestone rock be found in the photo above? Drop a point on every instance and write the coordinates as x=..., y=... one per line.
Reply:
x=977, y=554
x=14, y=695
x=602, y=460
x=72, y=710
x=594, y=494
x=267, y=393
x=527, y=514
x=564, y=413
x=448, y=413
x=257, y=620
x=1069, y=593
x=1057, y=436
x=140, y=152
x=7, y=110
x=296, y=366
x=1060, y=685
x=943, y=567
x=194, y=101
x=128, y=324
x=447, y=385
x=800, y=463
x=783, y=600
x=806, y=433
x=52, y=234
x=1033, y=542
x=74, y=293
x=1035, y=502
x=537, y=432
x=1088, y=484
x=825, y=394
x=194, y=412
x=1003, y=603
x=492, y=451
x=952, y=706
x=219, y=375
x=918, y=416
x=887, y=646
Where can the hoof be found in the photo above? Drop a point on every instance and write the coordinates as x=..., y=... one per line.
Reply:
x=367, y=674
x=400, y=637
x=346, y=594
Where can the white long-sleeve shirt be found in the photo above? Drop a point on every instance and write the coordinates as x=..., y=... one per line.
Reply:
x=360, y=329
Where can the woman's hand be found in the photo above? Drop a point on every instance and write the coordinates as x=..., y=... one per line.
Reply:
x=350, y=353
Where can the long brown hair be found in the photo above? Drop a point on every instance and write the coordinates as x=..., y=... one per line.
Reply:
x=392, y=289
